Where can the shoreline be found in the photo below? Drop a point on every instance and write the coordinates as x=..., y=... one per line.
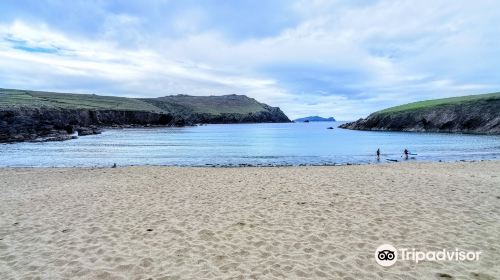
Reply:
x=244, y=165
x=205, y=223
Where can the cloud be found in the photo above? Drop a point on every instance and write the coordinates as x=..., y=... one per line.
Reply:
x=340, y=58
x=108, y=69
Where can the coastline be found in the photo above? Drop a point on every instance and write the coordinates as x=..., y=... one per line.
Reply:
x=382, y=162
x=289, y=222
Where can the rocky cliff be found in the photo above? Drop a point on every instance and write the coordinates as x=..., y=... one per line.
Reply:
x=468, y=114
x=29, y=115
x=24, y=124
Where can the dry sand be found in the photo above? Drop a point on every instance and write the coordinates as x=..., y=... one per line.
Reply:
x=263, y=223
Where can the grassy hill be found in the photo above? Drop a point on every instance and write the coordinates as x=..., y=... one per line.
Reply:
x=226, y=104
x=35, y=99
x=216, y=105
x=464, y=114
x=430, y=104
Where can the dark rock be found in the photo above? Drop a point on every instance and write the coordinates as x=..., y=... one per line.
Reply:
x=83, y=131
x=25, y=124
x=58, y=138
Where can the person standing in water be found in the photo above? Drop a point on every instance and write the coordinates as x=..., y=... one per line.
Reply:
x=406, y=153
x=378, y=154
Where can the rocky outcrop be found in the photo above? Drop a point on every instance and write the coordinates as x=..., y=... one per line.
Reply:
x=478, y=116
x=25, y=124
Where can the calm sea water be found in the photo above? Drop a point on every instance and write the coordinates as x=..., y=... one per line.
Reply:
x=255, y=144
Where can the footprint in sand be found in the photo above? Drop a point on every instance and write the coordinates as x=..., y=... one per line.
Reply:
x=482, y=276
x=444, y=276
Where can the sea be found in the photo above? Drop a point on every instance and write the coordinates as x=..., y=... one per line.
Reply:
x=232, y=145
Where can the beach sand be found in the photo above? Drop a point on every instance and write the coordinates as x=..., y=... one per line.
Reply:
x=244, y=223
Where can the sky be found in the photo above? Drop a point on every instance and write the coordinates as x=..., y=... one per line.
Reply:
x=309, y=57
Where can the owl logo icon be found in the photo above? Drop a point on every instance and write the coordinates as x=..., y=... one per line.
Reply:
x=386, y=255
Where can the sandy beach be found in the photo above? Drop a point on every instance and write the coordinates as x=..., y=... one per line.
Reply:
x=247, y=223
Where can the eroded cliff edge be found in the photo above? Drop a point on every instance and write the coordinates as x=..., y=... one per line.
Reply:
x=478, y=114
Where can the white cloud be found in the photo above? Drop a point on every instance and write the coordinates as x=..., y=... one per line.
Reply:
x=128, y=72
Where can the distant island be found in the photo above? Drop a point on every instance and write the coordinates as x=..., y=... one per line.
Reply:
x=35, y=115
x=465, y=114
x=315, y=119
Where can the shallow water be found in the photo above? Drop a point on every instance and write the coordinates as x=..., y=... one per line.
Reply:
x=255, y=144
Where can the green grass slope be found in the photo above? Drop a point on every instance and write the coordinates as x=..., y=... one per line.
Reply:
x=209, y=104
x=430, y=104
x=11, y=98
x=179, y=103
x=183, y=105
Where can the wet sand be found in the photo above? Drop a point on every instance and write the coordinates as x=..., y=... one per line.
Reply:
x=261, y=223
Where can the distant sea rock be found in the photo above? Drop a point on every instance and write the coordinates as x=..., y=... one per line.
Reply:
x=479, y=114
x=315, y=119
x=31, y=115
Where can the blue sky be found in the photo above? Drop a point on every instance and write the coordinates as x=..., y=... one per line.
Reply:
x=316, y=57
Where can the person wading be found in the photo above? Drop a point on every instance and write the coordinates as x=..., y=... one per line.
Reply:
x=406, y=153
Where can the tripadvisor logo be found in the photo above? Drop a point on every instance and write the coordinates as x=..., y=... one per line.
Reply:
x=387, y=255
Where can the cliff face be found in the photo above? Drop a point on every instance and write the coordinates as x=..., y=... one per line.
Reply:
x=24, y=124
x=273, y=115
x=27, y=115
x=479, y=115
